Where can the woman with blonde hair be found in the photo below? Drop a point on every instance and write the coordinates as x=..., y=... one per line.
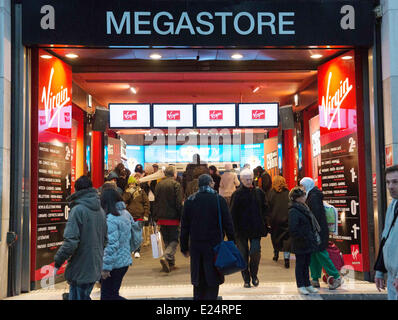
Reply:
x=279, y=207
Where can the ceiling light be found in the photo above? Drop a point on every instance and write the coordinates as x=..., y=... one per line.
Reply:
x=155, y=56
x=46, y=56
x=133, y=90
x=316, y=56
x=256, y=89
x=237, y=56
x=346, y=58
x=71, y=56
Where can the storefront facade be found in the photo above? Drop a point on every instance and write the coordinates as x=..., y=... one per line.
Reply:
x=344, y=112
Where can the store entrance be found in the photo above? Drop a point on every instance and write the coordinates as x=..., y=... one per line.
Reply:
x=111, y=85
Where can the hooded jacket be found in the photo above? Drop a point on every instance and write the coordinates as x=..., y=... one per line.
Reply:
x=117, y=252
x=85, y=237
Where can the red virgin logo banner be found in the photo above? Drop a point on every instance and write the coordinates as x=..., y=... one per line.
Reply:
x=173, y=115
x=258, y=114
x=129, y=115
x=215, y=115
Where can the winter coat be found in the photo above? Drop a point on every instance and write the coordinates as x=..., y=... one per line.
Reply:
x=249, y=212
x=279, y=219
x=315, y=203
x=303, y=238
x=200, y=233
x=188, y=174
x=118, y=251
x=137, y=202
x=217, y=179
x=168, y=200
x=192, y=187
x=228, y=183
x=85, y=237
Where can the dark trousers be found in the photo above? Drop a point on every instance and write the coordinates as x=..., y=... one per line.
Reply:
x=303, y=270
x=110, y=286
x=204, y=291
x=251, y=255
x=80, y=292
x=170, y=235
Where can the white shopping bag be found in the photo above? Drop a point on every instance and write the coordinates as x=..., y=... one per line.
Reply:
x=157, y=245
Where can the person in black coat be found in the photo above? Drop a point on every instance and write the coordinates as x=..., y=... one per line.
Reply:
x=320, y=259
x=279, y=214
x=304, y=231
x=249, y=212
x=200, y=233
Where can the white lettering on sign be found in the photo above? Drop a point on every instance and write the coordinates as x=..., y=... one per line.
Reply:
x=164, y=23
x=258, y=114
x=173, y=115
x=272, y=160
x=53, y=102
x=348, y=21
x=215, y=115
x=331, y=104
x=316, y=143
x=48, y=20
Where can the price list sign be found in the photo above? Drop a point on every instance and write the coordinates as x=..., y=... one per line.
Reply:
x=339, y=152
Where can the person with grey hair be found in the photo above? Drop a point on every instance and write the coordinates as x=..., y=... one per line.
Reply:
x=249, y=211
x=200, y=233
x=167, y=214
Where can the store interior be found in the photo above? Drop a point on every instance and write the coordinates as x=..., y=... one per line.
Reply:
x=193, y=76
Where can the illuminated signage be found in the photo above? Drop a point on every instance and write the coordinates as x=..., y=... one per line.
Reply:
x=129, y=115
x=172, y=115
x=265, y=115
x=216, y=115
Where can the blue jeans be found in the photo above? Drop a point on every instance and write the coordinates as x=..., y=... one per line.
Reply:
x=80, y=292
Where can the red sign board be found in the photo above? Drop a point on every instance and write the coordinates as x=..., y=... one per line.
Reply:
x=215, y=115
x=258, y=114
x=389, y=157
x=173, y=115
x=129, y=115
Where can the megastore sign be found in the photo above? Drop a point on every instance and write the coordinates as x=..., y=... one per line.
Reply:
x=198, y=23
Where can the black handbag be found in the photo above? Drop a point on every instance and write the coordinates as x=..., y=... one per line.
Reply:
x=379, y=264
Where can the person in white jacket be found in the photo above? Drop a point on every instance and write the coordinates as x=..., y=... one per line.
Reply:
x=228, y=183
x=390, y=252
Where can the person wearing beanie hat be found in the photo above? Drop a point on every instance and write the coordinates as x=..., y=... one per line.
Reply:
x=249, y=211
x=304, y=232
x=137, y=204
x=200, y=233
x=111, y=182
x=320, y=259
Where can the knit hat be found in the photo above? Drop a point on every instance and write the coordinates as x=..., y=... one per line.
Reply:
x=132, y=180
x=112, y=175
x=205, y=180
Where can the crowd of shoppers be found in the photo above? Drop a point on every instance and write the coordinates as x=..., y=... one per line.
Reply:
x=251, y=204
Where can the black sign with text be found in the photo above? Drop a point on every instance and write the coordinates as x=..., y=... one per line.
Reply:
x=198, y=23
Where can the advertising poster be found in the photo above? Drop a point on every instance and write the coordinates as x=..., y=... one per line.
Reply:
x=54, y=160
x=135, y=155
x=114, y=153
x=252, y=154
x=271, y=156
x=339, y=152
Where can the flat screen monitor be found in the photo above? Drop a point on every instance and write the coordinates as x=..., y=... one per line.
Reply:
x=129, y=115
x=172, y=115
x=252, y=115
x=216, y=115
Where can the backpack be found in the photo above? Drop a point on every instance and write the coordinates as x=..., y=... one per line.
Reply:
x=331, y=217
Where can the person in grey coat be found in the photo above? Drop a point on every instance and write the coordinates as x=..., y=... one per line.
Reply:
x=200, y=233
x=85, y=238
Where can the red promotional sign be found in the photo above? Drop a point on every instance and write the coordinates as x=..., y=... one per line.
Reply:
x=129, y=115
x=258, y=114
x=173, y=115
x=389, y=157
x=215, y=115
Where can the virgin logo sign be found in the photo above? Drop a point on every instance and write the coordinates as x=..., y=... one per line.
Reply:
x=215, y=115
x=258, y=114
x=129, y=115
x=173, y=115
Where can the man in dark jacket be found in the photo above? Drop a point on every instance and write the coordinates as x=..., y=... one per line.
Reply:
x=249, y=212
x=187, y=176
x=167, y=213
x=320, y=259
x=85, y=238
x=200, y=233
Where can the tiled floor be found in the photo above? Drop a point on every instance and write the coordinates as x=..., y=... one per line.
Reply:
x=145, y=281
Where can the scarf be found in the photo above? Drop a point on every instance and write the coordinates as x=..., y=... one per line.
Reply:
x=207, y=189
